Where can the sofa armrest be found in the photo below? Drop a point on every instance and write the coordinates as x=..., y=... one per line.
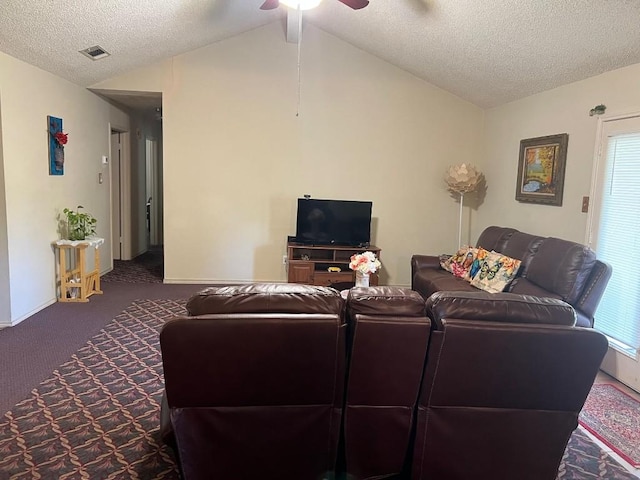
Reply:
x=419, y=262
x=593, y=290
x=499, y=307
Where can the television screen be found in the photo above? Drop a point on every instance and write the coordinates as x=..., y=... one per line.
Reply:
x=333, y=222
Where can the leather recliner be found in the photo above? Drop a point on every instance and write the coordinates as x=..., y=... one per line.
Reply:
x=466, y=386
x=506, y=377
x=388, y=333
x=254, y=380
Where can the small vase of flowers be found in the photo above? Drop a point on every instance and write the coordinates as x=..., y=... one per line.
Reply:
x=364, y=264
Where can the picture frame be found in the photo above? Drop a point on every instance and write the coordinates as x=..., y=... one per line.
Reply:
x=541, y=168
x=56, y=149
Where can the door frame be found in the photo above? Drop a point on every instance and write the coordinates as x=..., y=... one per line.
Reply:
x=125, y=191
x=618, y=362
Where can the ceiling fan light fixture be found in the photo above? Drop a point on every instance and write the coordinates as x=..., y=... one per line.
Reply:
x=302, y=4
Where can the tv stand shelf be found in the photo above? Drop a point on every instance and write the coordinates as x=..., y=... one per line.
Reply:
x=310, y=264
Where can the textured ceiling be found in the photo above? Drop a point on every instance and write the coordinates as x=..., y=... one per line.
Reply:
x=488, y=52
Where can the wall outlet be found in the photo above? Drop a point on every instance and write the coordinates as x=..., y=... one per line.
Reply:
x=284, y=259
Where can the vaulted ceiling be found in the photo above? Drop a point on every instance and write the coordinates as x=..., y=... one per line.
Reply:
x=488, y=52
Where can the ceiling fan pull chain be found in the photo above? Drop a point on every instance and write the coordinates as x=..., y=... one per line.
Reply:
x=299, y=41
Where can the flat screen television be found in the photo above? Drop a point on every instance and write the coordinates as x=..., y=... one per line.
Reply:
x=333, y=222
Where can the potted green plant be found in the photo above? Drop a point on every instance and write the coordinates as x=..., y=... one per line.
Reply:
x=80, y=225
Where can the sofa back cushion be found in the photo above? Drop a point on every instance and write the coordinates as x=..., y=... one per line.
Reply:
x=522, y=246
x=495, y=238
x=495, y=388
x=264, y=386
x=560, y=267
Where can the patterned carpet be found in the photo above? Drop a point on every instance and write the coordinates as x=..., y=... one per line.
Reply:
x=614, y=418
x=97, y=415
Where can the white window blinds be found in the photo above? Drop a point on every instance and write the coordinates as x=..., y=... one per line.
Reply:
x=618, y=243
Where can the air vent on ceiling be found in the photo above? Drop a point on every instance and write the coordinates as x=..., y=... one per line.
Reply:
x=95, y=53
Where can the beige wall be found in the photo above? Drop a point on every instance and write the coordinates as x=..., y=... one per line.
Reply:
x=34, y=199
x=236, y=156
x=561, y=110
x=5, y=285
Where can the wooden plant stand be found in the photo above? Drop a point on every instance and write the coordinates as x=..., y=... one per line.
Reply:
x=76, y=284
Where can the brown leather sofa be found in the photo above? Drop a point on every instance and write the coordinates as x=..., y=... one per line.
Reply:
x=506, y=377
x=287, y=381
x=551, y=267
x=254, y=380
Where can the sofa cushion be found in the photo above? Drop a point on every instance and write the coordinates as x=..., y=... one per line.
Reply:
x=499, y=307
x=431, y=280
x=524, y=286
x=561, y=267
x=266, y=298
x=496, y=272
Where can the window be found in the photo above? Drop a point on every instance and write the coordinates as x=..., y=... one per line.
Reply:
x=618, y=241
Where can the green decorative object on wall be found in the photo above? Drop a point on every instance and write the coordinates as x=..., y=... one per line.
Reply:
x=57, y=141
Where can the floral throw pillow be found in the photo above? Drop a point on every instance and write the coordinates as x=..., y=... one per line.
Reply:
x=495, y=271
x=460, y=262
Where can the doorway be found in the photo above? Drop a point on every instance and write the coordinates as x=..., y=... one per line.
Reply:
x=614, y=233
x=121, y=213
x=153, y=194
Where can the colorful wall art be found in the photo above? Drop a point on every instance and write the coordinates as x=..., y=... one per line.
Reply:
x=57, y=141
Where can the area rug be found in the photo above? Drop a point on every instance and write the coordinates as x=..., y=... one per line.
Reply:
x=97, y=415
x=613, y=417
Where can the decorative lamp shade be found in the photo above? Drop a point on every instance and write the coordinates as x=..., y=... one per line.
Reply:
x=462, y=178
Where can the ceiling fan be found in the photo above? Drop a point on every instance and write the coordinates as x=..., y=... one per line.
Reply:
x=355, y=4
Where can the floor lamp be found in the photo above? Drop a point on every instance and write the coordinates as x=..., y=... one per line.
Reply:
x=461, y=179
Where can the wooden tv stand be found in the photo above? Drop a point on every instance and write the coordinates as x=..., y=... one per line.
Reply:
x=309, y=264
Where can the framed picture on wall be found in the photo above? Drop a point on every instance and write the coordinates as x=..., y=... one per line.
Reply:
x=541, y=169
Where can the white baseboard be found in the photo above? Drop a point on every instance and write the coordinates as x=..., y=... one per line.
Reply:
x=16, y=321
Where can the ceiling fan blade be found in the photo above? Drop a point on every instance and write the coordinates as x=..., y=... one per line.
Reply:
x=355, y=4
x=270, y=5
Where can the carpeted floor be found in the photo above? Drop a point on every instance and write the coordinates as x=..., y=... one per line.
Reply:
x=614, y=418
x=145, y=268
x=96, y=416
